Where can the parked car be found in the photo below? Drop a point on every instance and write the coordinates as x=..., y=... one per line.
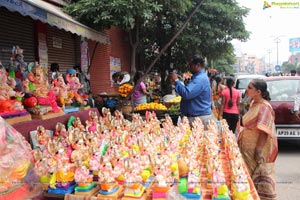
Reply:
x=282, y=91
x=242, y=81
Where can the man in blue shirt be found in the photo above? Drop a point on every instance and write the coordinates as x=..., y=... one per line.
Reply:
x=196, y=95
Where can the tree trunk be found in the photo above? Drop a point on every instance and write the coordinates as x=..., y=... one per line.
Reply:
x=134, y=40
x=133, y=59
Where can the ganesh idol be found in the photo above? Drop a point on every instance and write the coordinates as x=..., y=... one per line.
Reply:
x=37, y=85
x=9, y=98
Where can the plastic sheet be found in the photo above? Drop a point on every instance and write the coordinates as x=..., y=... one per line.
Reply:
x=17, y=177
x=173, y=193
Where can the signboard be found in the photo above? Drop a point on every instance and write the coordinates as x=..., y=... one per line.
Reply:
x=294, y=44
x=43, y=49
x=277, y=68
x=84, y=56
x=57, y=42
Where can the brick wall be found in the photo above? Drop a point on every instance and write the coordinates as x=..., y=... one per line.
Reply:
x=100, y=70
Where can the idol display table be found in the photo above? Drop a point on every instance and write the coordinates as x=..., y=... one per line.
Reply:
x=25, y=127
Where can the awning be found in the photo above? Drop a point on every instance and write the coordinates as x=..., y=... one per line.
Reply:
x=54, y=16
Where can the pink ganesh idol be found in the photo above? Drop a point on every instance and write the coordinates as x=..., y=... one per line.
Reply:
x=83, y=176
x=8, y=96
x=74, y=85
x=62, y=91
x=38, y=86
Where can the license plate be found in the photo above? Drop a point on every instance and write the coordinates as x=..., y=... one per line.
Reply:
x=288, y=132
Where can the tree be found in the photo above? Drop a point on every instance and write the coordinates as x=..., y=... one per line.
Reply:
x=127, y=14
x=151, y=24
x=224, y=64
x=209, y=33
x=287, y=67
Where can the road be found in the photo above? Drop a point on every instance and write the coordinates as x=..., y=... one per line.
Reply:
x=288, y=170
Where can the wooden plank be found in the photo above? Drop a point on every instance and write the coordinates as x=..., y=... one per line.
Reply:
x=84, y=108
x=18, y=119
x=117, y=195
x=47, y=195
x=143, y=197
x=89, y=193
x=48, y=115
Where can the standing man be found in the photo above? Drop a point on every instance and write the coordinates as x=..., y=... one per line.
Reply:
x=297, y=103
x=196, y=95
x=293, y=72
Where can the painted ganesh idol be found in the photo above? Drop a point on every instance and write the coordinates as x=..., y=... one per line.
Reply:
x=62, y=90
x=8, y=96
x=74, y=84
x=38, y=87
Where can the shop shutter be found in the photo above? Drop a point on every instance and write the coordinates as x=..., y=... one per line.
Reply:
x=61, y=48
x=16, y=30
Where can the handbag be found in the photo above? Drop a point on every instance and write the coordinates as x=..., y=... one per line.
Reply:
x=264, y=180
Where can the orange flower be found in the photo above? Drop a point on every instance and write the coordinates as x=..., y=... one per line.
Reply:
x=125, y=89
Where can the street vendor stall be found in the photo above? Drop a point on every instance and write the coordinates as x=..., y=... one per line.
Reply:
x=109, y=157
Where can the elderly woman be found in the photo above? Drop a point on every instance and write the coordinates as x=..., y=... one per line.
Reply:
x=257, y=140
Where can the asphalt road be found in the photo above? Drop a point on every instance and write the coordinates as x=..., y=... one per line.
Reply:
x=288, y=170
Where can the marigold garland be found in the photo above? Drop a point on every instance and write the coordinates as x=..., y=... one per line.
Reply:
x=125, y=89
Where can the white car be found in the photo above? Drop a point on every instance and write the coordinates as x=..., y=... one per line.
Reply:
x=242, y=81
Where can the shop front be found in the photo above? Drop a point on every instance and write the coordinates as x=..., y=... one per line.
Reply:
x=48, y=35
x=44, y=32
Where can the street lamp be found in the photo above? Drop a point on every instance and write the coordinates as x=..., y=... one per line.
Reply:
x=269, y=52
x=277, y=40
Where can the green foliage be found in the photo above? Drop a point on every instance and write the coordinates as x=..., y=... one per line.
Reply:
x=152, y=23
x=224, y=64
x=102, y=14
x=209, y=33
x=287, y=67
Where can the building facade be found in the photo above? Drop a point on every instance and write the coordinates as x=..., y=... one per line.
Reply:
x=47, y=35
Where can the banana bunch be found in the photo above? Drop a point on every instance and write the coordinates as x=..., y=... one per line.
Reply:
x=174, y=100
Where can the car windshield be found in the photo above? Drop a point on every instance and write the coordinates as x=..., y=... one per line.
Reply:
x=282, y=90
x=242, y=83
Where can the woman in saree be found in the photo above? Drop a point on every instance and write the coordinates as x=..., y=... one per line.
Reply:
x=257, y=140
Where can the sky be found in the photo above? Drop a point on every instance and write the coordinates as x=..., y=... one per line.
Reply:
x=270, y=28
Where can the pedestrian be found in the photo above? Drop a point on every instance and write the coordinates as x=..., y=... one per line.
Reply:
x=258, y=141
x=139, y=95
x=297, y=102
x=216, y=95
x=293, y=72
x=54, y=68
x=84, y=78
x=230, y=104
x=196, y=95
